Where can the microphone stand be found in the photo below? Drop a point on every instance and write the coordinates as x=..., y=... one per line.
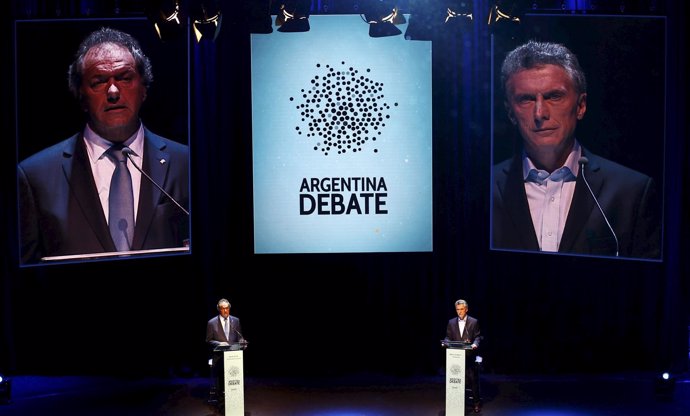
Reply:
x=128, y=152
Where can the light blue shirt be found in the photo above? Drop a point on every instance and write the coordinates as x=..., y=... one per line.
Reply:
x=549, y=196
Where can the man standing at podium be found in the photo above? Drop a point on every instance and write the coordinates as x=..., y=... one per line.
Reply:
x=466, y=329
x=222, y=330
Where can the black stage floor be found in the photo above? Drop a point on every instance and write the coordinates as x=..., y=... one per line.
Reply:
x=360, y=395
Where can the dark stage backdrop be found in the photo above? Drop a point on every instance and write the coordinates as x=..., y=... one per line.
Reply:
x=340, y=313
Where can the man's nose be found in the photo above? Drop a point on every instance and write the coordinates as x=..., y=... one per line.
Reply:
x=541, y=109
x=113, y=93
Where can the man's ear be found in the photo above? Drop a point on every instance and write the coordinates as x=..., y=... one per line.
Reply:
x=581, y=105
x=510, y=113
x=82, y=103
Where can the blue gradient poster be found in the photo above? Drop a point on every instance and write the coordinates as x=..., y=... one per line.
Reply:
x=342, y=140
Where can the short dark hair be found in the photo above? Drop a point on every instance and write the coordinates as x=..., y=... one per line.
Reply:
x=108, y=35
x=534, y=54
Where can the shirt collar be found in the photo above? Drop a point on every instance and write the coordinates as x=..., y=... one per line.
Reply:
x=96, y=146
x=567, y=172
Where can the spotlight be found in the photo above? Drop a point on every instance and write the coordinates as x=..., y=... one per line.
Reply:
x=207, y=22
x=452, y=14
x=665, y=385
x=440, y=21
x=382, y=19
x=293, y=16
x=504, y=12
x=166, y=17
x=5, y=389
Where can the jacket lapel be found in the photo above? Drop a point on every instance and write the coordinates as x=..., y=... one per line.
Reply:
x=582, y=205
x=156, y=163
x=77, y=170
x=221, y=331
x=516, y=206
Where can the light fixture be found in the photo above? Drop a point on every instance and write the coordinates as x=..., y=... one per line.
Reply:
x=382, y=19
x=665, y=385
x=293, y=16
x=5, y=389
x=167, y=18
x=440, y=21
x=501, y=14
x=452, y=14
x=207, y=22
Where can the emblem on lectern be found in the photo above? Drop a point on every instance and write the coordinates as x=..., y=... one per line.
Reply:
x=455, y=370
x=233, y=371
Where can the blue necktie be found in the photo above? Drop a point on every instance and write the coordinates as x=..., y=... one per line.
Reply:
x=120, y=201
x=227, y=329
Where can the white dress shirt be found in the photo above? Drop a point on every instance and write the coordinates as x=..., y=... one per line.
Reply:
x=103, y=167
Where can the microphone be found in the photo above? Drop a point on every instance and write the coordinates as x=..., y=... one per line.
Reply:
x=242, y=341
x=583, y=161
x=128, y=152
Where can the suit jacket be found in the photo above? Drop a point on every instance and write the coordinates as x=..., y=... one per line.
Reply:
x=216, y=335
x=61, y=214
x=470, y=334
x=628, y=198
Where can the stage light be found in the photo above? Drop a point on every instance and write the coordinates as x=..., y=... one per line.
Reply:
x=5, y=389
x=167, y=18
x=501, y=13
x=452, y=14
x=440, y=21
x=382, y=18
x=293, y=16
x=665, y=385
x=207, y=21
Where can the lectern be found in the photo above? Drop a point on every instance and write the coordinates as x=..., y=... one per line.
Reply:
x=232, y=388
x=455, y=376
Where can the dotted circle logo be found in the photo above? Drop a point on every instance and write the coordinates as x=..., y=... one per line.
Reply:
x=455, y=369
x=343, y=109
x=233, y=371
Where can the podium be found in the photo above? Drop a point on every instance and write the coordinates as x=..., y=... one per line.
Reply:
x=455, y=376
x=233, y=377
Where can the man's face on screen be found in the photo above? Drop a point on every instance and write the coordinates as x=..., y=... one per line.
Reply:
x=112, y=91
x=545, y=106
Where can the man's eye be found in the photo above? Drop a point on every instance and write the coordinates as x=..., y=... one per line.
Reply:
x=98, y=84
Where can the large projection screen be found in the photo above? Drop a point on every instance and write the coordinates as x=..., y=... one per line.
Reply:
x=48, y=114
x=624, y=61
x=342, y=140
